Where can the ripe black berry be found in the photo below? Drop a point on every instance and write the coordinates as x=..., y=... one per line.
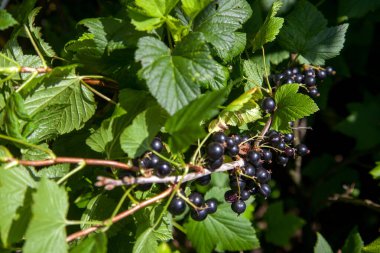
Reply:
x=216, y=164
x=177, y=206
x=268, y=104
x=302, y=150
x=281, y=145
x=299, y=78
x=237, y=184
x=253, y=156
x=157, y=145
x=163, y=169
x=321, y=74
x=205, y=180
x=265, y=190
x=230, y=142
x=289, y=152
x=288, y=80
x=310, y=72
x=266, y=155
x=274, y=139
x=262, y=175
x=154, y=160
x=198, y=215
x=215, y=150
x=196, y=198
x=330, y=71
x=289, y=137
x=212, y=205
x=244, y=195
x=313, y=92
x=238, y=206
x=282, y=160
x=230, y=196
x=236, y=138
x=234, y=150
x=219, y=137
x=249, y=170
x=310, y=81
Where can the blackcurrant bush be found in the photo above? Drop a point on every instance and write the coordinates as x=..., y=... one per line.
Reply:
x=244, y=195
x=262, y=175
x=157, y=145
x=219, y=137
x=289, y=137
x=196, y=198
x=268, y=104
x=238, y=206
x=163, y=169
x=266, y=155
x=265, y=190
x=215, y=150
x=177, y=206
x=198, y=215
x=310, y=81
x=212, y=205
x=205, y=180
x=302, y=150
x=253, y=156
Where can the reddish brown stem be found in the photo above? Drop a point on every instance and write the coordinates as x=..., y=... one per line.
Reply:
x=99, y=162
x=263, y=132
x=122, y=215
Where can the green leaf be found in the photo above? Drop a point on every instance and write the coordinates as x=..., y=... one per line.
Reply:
x=356, y=9
x=106, y=138
x=373, y=247
x=219, y=21
x=36, y=33
x=375, y=172
x=305, y=33
x=136, y=138
x=281, y=226
x=254, y=71
x=151, y=14
x=322, y=246
x=61, y=89
x=146, y=242
x=291, y=106
x=6, y=20
x=15, y=194
x=173, y=78
x=363, y=116
x=193, y=7
x=46, y=231
x=185, y=126
x=353, y=243
x=95, y=243
x=15, y=116
x=55, y=171
x=222, y=231
x=270, y=29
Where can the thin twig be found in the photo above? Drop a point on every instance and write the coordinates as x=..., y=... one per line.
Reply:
x=122, y=215
x=99, y=162
x=263, y=132
x=358, y=202
x=110, y=183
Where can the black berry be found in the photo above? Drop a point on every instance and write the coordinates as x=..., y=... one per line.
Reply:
x=198, y=215
x=205, y=180
x=244, y=195
x=238, y=206
x=310, y=81
x=216, y=164
x=266, y=155
x=282, y=160
x=163, y=169
x=215, y=150
x=234, y=150
x=253, y=156
x=268, y=104
x=157, y=145
x=289, y=137
x=196, y=198
x=212, y=205
x=177, y=206
x=249, y=170
x=265, y=190
x=219, y=137
x=262, y=175
x=302, y=150
x=230, y=196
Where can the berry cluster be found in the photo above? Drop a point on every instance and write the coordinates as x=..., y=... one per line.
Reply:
x=152, y=161
x=199, y=207
x=253, y=177
x=308, y=77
